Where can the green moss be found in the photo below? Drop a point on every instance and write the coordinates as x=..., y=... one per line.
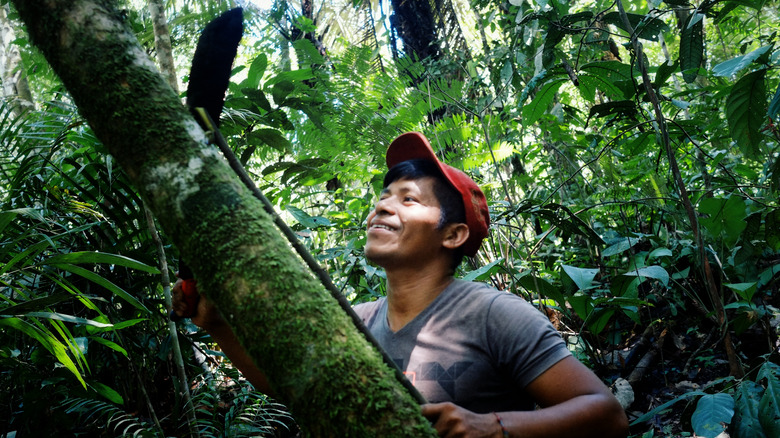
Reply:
x=334, y=382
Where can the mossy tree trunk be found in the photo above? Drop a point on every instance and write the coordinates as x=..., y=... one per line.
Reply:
x=333, y=381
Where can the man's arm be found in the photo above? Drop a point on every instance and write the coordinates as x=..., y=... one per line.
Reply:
x=208, y=317
x=574, y=403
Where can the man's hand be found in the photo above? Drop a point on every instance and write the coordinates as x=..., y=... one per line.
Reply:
x=188, y=303
x=452, y=421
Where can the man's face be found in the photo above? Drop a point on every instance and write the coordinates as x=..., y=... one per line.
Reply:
x=403, y=227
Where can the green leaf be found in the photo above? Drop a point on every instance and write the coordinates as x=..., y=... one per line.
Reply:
x=746, y=423
x=306, y=220
x=645, y=26
x=35, y=304
x=734, y=65
x=305, y=46
x=713, y=413
x=744, y=290
x=598, y=319
x=112, y=345
x=272, y=138
x=48, y=341
x=660, y=252
x=582, y=277
x=692, y=48
x=537, y=107
x=485, y=271
x=66, y=318
x=256, y=71
x=604, y=76
x=281, y=90
x=621, y=245
x=625, y=108
x=724, y=217
x=582, y=304
x=774, y=107
x=656, y=272
x=746, y=111
x=89, y=275
x=107, y=392
x=769, y=406
x=664, y=406
x=542, y=287
x=99, y=257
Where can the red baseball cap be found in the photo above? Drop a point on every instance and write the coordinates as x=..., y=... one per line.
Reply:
x=412, y=146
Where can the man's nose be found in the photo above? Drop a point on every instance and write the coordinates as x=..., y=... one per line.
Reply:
x=384, y=206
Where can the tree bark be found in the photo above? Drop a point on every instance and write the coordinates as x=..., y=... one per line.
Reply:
x=15, y=86
x=318, y=364
x=162, y=43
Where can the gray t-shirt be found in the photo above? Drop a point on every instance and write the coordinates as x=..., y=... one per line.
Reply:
x=473, y=346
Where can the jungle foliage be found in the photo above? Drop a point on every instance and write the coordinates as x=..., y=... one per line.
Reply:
x=629, y=150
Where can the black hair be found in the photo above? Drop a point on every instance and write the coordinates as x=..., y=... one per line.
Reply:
x=450, y=200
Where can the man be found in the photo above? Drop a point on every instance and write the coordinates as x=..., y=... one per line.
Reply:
x=484, y=359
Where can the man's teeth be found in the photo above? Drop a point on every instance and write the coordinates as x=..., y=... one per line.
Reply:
x=385, y=227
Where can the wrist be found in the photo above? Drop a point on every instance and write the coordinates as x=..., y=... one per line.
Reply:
x=502, y=430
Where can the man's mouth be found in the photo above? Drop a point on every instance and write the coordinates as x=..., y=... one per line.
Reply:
x=382, y=227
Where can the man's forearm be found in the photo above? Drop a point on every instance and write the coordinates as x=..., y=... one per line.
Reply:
x=224, y=336
x=592, y=415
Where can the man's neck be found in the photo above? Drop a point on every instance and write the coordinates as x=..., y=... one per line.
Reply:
x=410, y=291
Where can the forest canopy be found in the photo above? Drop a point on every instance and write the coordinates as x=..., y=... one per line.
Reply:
x=628, y=150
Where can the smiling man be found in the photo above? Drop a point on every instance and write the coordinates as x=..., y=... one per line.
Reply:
x=489, y=363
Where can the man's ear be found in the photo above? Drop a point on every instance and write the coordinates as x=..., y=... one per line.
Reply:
x=455, y=235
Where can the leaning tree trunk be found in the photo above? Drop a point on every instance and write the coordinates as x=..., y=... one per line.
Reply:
x=15, y=86
x=316, y=361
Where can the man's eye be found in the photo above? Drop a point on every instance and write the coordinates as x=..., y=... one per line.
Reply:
x=409, y=199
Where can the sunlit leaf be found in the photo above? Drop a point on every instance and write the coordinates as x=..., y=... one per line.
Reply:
x=537, y=107
x=746, y=111
x=734, y=65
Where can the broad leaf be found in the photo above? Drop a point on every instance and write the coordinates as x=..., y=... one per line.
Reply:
x=713, y=413
x=774, y=107
x=620, y=246
x=306, y=220
x=734, y=65
x=542, y=287
x=746, y=111
x=582, y=277
x=744, y=290
x=541, y=101
x=256, y=71
x=724, y=217
x=691, y=49
x=484, y=272
x=746, y=423
x=769, y=406
x=655, y=272
x=645, y=26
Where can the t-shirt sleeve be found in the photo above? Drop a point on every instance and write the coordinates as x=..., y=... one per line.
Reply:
x=523, y=341
x=367, y=311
